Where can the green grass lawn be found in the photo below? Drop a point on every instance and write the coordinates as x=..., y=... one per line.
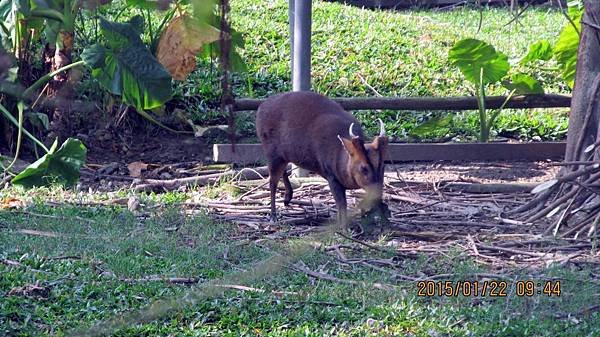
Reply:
x=86, y=272
x=362, y=52
x=397, y=53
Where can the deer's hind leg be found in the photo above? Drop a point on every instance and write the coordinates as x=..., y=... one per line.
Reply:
x=276, y=170
x=289, y=192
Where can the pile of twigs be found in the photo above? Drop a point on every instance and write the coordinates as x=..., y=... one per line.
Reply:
x=426, y=218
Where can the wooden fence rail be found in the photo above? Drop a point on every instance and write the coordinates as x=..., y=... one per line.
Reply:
x=253, y=153
x=432, y=103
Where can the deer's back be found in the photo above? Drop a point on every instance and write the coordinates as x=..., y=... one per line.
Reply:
x=302, y=128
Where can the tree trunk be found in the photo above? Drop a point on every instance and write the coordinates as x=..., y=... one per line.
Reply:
x=585, y=110
x=572, y=200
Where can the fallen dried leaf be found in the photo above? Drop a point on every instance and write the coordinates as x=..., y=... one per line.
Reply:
x=11, y=203
x=30, y=290
x=136, y=168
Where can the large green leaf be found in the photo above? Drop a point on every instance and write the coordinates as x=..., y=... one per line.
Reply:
x=541, y=50
x=432, y=124
x=143, y=4
x=203, y=10
x=524, y=84
x=56, y=167
x=472, y=55
x=119, y=34
x=127, y=68
x=565, y=50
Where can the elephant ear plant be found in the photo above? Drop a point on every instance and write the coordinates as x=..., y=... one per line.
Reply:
x=482, y=65
x=57, y=165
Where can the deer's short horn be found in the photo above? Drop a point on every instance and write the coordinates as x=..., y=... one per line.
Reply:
x=351, y=132
x=381, y=128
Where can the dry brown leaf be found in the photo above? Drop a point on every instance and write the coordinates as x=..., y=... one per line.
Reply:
x=11, y=203
x=31, y=290
x=181, y=42
x=136, y=168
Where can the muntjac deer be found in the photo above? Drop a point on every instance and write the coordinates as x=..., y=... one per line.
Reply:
x=317, y=134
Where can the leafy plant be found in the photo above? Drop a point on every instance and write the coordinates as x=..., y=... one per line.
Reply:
x=565, y=49
x=57, y=166
x=482, y=65
x=124, y=66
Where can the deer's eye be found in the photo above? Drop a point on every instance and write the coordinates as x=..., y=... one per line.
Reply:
x=364, y=170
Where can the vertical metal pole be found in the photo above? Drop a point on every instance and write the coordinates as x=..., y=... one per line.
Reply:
x=301, y=40
x=301, y=51
x=291, y=15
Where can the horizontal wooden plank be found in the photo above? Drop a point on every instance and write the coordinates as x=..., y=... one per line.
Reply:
x=476, y=151
x=432, y=103
x=252, y=153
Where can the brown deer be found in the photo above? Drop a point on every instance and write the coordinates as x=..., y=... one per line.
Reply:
x=318, y=135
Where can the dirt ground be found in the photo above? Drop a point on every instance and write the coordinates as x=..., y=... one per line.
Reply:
x=170, y=156
x=427, y=214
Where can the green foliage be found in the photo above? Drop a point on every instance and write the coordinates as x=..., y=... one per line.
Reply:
x=541, y=50
x=482, y=65
x=565, y=50
x=478, y=61
x=437, y=123
x=57, y=166
x=126, y=67
x=523, y=84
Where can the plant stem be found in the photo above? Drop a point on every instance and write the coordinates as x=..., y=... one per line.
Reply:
x=47, y=77
x=497, y=112
x=12, y=119
x=20, y=107
x=484, y=132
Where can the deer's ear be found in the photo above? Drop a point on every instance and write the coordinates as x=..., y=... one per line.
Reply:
x=380, y=143
x=349, y=146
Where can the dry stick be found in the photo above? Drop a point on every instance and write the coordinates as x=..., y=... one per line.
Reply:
x=13, y=263
x=452, y=223
x=251, y=191
x=202, y=180
x=111, y=176
x=172, y=280
x=332, y=278
x=593, y=102
x=594, y=226
x=577, y=162
x=475, y=275
x=562, y=216
x=540, y=200
x=366, y=244
x=583, y=312
x=396, y=197
x=582, y=223
x=510, y=250
x=47, y=216
x=536, y=202
x=489, y=188
x=552, y=206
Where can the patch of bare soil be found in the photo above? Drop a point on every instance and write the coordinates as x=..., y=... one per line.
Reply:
x=116, y=159
x=476, y=172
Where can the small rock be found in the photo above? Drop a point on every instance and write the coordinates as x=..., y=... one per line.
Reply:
x=133, y=204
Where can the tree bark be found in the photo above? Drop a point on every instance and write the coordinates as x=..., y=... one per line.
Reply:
x=573, y=196
x=585, y=110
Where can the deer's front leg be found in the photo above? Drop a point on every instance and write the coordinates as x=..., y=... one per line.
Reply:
x=339, y=195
